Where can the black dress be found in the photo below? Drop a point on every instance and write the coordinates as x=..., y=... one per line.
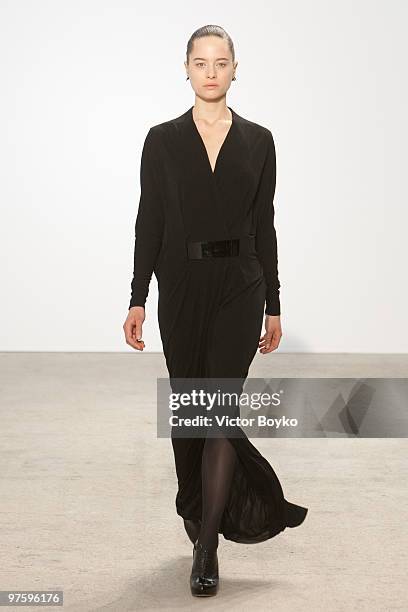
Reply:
x=211, y=310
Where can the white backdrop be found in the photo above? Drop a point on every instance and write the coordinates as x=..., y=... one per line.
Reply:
x=82, y=82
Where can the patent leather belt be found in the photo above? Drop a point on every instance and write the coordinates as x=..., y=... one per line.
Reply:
x=221, y=248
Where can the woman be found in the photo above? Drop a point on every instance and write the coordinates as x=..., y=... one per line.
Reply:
x=205, y=226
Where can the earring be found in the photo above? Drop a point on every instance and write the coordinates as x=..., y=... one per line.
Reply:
x=234, y=78
x=187, y=78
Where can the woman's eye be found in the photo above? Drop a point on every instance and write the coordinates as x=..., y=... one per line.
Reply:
x=202, y=64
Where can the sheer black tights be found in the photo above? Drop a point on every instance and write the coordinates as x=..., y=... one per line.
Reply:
x=217, y=469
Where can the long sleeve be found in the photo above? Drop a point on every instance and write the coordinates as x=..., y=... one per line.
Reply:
x=149, y=222
x=266, y=243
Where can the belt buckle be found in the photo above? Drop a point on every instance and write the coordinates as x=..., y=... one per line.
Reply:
x=217, y=248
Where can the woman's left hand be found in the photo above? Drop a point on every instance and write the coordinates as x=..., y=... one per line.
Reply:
x=271, y=338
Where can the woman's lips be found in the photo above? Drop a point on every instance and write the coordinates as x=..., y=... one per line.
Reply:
x=213, y=85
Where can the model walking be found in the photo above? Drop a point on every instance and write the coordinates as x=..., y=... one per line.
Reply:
x=205, y=227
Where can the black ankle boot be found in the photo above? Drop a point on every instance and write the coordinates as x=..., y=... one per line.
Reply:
x=192, y=529
x=204, y=577
x=295, y=515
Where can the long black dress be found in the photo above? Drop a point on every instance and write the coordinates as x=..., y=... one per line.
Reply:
x=211, y=311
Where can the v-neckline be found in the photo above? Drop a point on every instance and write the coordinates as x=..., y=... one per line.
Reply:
x=204, y=148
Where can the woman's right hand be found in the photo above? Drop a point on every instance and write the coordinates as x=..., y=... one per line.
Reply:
x=133, y=327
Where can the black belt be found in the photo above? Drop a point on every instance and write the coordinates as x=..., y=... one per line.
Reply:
x=221, y=248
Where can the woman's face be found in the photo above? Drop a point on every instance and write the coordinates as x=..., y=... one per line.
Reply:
x=210, y=62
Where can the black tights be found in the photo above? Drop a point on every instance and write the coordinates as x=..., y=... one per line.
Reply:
x=217, y=469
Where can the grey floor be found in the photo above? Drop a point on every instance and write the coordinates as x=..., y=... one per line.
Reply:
x=87, y=495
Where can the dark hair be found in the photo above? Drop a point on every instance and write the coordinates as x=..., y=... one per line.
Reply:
x=210, y=30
